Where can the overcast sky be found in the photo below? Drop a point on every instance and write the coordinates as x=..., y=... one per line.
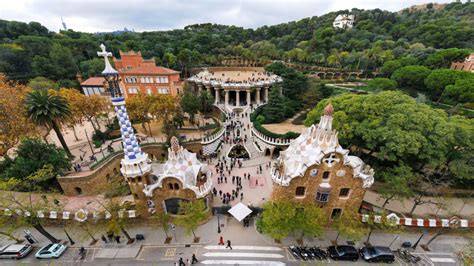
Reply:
x=146, y=15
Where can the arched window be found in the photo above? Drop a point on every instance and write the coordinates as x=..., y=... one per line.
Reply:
x=176, y=186
x=170, y=186
x=300, y=191
x=78, y=190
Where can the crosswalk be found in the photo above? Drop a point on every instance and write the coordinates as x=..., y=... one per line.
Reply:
x=243, y=255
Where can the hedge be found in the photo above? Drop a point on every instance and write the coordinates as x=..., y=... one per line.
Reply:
x=266, y=132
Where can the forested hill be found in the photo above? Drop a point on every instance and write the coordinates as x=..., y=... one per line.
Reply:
x=29, y=50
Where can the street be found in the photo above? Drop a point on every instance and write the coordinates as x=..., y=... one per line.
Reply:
x=208, y=255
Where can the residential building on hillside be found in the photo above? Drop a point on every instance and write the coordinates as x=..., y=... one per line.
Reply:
x=315, y=169
x=466, y=65
x=344, y=21
x=140, y=75
x=94, y=85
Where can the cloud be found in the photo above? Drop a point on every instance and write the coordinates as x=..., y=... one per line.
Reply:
x=147, y=15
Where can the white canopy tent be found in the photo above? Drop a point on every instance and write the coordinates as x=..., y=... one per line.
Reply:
x=240, y=211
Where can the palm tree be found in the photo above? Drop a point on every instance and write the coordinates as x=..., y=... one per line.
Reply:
x=48, y=110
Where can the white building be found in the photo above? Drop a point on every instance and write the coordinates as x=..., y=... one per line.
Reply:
x=344, y=21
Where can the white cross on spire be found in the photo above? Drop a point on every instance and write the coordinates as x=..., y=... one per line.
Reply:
x=108, y=68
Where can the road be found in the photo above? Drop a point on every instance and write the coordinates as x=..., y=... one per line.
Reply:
x=208, y=255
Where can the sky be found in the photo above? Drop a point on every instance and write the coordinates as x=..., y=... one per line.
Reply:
x=149, y=15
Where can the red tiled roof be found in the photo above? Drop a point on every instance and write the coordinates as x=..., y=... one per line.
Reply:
x=148, y=70
x=93, y=81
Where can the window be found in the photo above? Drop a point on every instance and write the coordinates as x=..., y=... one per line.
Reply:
x=148, y=90
x=336, y=212
x=133, y=90
x=344, y=192
x=142, y=80
x=161, y=79
x=170, y=186
x=322, y=196
x=163, y=91
x=300, y=191
x=176, y=186
x=326, y=175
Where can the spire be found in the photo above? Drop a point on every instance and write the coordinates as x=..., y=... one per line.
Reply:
x=328, y=110
x=174, y=144
x=108, y=67
x=326, y=119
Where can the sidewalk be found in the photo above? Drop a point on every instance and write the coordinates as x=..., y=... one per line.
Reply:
x=461, y=206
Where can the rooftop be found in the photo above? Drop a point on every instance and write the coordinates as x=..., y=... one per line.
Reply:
x=93, y=81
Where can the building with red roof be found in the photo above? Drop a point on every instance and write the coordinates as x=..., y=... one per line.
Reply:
x=140, y=75
x=94, y=85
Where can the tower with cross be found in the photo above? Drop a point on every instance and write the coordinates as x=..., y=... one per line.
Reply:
x=135, y=162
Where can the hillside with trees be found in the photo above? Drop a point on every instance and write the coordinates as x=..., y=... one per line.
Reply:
x=29, y=50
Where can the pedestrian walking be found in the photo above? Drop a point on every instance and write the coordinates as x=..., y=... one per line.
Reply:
x=241, y=196
x=193, y=259
x=229, y=245
x=181, y=262
x=117, y=238
x=104, y=239
x=221, y=241
x=225, y=179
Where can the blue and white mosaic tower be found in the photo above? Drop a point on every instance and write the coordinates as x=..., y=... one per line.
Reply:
x=135, y=162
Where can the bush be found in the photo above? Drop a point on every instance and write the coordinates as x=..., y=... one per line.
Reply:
x=260, y=119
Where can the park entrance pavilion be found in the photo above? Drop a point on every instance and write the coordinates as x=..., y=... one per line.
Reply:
x=235, y=87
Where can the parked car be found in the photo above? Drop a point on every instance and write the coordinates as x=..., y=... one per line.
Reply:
x=14, y=251
x=343, y=252
x=51, y=251
x=377, y=254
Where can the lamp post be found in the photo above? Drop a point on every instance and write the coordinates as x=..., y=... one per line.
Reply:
x=218, y=224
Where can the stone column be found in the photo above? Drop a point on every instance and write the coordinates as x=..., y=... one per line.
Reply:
x=248, y=97
x=217, y=95
x=208, y=89
x=226, y=98
x=237, y=98
x=199, y=88
x=257, y=91
x=265, y=94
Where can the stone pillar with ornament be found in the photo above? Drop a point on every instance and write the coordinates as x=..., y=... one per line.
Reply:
x=237, y=98
x=135, y=165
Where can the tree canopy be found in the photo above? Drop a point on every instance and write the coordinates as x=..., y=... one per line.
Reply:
x=395, y=129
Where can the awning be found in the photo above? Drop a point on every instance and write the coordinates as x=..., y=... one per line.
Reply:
x=240, y=211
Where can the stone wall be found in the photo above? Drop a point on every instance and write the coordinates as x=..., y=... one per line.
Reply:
x=95, y=182
x=92, y=182
x=311, y=184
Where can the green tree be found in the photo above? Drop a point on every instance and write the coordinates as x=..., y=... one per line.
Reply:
x=36, y=164
x=48, y=110
x=274, y=111
x=42, y=83
x=398, y=184
x=381, y=84
x=411, y=77
x=349, y=225
x=206, y=100
x=462, y=90
x=190, y=104
x=191, y=215
x=439, y=79
x=277, y=219
x=92, y=67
